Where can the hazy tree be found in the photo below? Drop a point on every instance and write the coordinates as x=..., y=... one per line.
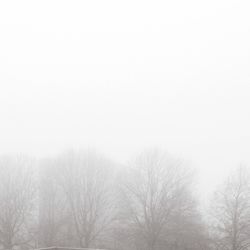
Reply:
x=17, y=196
x=186, y=229
x=86, y=178
x=53, y=209
x=231, y=213
x=150, y=195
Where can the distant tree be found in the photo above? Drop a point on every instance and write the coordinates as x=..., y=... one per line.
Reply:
x=53, y=209
x=231, y=213
x=17, y=197
x=151, y=192
x=186, y=228
x=86, y=179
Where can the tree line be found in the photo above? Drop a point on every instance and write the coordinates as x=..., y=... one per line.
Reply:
x=82, y=199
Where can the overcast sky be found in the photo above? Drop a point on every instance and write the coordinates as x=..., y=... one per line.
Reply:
x=120, y=76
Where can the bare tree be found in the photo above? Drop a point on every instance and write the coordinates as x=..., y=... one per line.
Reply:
x=53, y=213
x=231, y=213
x=186, y=228
x=150, y=195
x=86, y=179
x=17, y=196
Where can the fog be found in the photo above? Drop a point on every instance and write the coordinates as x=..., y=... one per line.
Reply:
x=121, y=76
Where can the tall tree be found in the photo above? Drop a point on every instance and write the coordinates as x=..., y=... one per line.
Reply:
x=53, y=209
x=17, y=197
x=86, y=178
x=186, y=228
x=231, y=213
x=151, y=193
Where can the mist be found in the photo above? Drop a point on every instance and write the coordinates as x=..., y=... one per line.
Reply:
x=124, y=79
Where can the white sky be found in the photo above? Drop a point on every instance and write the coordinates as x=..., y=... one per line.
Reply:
x=124, y=75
